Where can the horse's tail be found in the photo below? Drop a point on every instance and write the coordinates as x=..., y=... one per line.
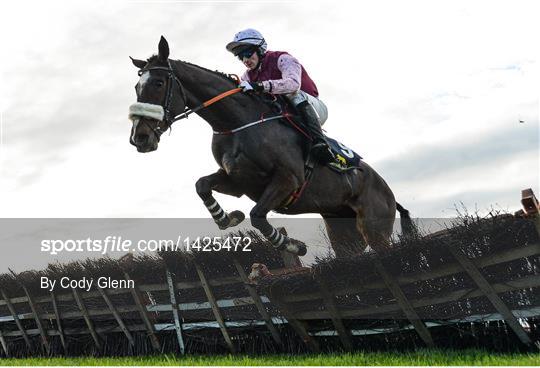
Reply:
x=408, y=228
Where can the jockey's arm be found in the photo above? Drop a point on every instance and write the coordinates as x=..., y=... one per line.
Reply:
x=244, y=77
x=291, y=76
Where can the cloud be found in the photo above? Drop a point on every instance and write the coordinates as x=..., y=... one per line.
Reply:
x=472, y=153
x=426, y=106
x=481, y=201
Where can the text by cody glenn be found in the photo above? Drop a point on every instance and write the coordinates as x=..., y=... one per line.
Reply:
x=85, y=283
x=116, y=243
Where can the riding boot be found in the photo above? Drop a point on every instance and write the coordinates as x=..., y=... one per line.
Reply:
x=319, y=146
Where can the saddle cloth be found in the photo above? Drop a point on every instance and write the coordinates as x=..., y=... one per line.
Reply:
x=348, y=159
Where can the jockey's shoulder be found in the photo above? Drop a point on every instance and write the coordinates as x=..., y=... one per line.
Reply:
x=283, y=56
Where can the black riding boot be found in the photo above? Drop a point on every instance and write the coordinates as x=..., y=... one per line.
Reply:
x=319, y=146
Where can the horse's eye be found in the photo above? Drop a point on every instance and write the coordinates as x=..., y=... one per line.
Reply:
x=159, y=83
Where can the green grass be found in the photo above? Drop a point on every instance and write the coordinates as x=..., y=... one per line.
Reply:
x=419, y=357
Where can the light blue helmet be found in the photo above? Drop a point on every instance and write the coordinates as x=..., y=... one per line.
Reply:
x=247, y=38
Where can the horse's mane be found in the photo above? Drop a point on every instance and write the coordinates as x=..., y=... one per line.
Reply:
x=225, y=76
x=228, y=77
x=216, y=72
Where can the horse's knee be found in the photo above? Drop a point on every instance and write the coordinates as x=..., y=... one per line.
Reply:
x=256, y=217
x=203, y=188
x=259, y=221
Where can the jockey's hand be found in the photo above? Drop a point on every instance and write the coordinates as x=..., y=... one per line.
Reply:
x=251, y=86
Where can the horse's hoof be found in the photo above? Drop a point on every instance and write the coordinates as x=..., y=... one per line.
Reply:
x=236, y=218
x=232, y=219
x=296, y=247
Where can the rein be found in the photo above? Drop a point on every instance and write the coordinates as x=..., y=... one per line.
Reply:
x=188, y=111
x=205, y=104
x=262, y=120
x=153, y=111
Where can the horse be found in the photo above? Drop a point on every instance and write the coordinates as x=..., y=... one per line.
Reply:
x=260, y=158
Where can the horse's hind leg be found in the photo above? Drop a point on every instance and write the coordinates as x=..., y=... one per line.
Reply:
x=344, y=236
x=376, y=230
x=273, y=196
x=220, y=182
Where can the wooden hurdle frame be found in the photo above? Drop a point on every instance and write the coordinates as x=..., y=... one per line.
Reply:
x=299, y=321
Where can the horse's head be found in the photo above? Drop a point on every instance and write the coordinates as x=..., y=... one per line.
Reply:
x=160, y=97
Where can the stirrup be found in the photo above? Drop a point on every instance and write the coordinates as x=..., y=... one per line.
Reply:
x=322, y=153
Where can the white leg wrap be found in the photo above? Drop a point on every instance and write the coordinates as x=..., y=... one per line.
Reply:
x=281, y=240
x=222, y=216
x=274, y=236
x=216, y=212
x=212, y=206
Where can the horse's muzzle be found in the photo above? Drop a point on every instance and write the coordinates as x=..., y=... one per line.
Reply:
x=145, y=149
x=144, y=143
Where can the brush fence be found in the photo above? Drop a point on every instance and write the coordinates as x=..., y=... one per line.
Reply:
x=483, y=275
x=475, y=276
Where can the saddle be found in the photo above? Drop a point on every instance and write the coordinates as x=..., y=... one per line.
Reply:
x=346, y=157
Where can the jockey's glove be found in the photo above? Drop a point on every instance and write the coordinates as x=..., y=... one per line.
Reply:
x=251, y=86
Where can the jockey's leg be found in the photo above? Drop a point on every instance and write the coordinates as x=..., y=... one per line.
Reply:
x=220, y=182
x=314, y=113
x=274, y=195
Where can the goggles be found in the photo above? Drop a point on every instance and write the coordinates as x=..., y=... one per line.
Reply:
x=245, y=53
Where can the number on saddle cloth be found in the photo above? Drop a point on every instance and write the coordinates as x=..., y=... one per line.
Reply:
x=347, y=157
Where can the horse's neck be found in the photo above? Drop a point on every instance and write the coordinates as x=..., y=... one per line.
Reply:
x=201, y=85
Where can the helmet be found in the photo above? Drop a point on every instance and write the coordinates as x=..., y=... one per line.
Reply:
x=247, y=38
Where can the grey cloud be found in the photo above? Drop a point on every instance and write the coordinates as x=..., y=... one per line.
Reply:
x=73, y=94
x=489, y=150
x=432, y=109
x=448, y=206
x=34, y=170
x=81, y=91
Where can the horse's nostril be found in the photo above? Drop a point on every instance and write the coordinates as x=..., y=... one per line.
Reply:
x=141, y=138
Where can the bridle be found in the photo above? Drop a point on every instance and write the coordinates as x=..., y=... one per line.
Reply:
x=166, y=118
x=171, y=77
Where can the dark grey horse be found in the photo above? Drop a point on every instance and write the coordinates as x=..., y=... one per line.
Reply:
x=264, y=162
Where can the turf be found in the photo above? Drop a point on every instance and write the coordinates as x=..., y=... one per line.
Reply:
x=416, y=358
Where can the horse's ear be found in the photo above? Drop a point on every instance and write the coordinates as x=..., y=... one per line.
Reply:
x=138, y=63
x=163, y=49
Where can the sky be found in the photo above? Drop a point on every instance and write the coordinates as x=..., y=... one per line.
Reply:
x=430, y=93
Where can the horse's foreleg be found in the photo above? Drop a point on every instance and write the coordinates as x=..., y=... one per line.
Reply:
x=273, y=196
x=220, y=182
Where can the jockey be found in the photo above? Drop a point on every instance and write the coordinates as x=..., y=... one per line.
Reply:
x=278, y=72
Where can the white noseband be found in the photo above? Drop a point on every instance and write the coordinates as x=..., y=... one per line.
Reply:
x=146, y=110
